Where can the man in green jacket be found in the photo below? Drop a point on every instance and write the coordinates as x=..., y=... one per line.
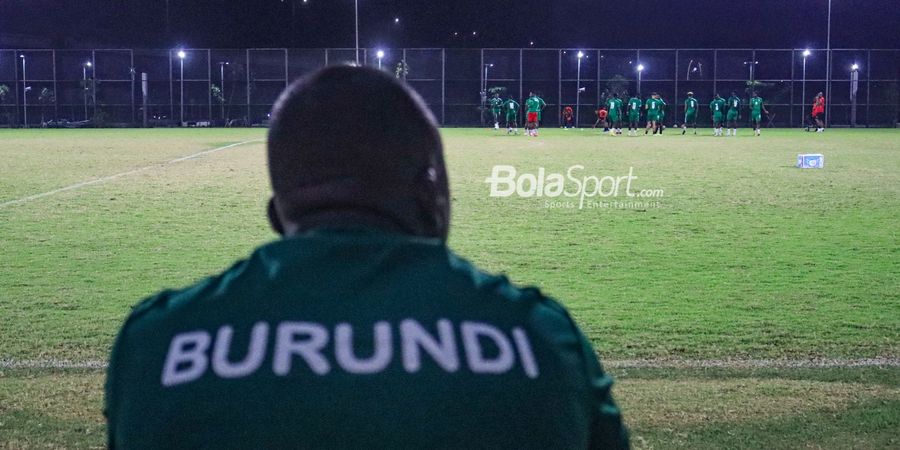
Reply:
x=359, y=328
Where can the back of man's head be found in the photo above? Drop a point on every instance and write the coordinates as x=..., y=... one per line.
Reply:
x=353, y=147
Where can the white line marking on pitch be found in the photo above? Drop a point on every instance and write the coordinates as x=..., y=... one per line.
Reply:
x=611, y=364
x=119, y=175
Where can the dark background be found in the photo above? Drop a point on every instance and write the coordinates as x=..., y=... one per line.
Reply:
x=440, y=23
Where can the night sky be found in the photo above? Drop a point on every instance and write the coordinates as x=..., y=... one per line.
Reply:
x=447, y=23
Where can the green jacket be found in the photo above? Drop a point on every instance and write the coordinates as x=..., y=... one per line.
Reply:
x=356, y=339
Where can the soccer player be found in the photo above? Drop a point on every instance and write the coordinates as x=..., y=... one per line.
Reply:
x=818, y=112
x=634, y=114
x=568, y=116
x=601, y=118
x=533, y=107
x=690, y=113
x=717, y=110
x=614, y=110
x=652, y=105
x=496, y=107
x=662, y=114
x=359, y=327
x=757, y=108
x=734, y=113
x=512, y=116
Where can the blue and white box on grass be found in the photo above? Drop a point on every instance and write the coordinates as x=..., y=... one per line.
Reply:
x=810, y=161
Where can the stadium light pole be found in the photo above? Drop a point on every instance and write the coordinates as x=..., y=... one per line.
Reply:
x=486, y=67
x=222, y=65
x=580, y=55
x=854, y=88
x=752, y=64
x=84, y=68
x=380, y=55
x=806, y=54
x=640, y=69
x=25, y=90
x=181, y=56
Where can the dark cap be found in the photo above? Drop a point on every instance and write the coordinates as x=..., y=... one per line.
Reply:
x=354, y=147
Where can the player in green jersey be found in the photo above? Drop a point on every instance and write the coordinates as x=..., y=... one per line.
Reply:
x=653, y=105
x=533, y=107
x=717, y=111
x=757, y=108
x=690, y=113
x=614, y=116
x=734, y=113
x=662, y=114
x=511, y=108
x=496, y=106
x=358, y=327
x=634, y=114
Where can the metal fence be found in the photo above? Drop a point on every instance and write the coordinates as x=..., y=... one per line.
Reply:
x=216, y=86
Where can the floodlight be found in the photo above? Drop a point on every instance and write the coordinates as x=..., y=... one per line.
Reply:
x=396, y=20
x=806, y=53
x=379, y=54
x=88, y=64
x=640, y=67
x=854, y=67
x=580, y=54
x=182, y=54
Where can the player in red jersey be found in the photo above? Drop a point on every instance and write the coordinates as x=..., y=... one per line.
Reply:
x=818, y=112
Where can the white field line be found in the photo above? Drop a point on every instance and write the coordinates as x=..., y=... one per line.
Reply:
x=726, y=363
x=82, y=184
x=613, y=364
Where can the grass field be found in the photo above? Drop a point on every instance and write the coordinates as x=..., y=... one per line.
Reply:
x=733, y=310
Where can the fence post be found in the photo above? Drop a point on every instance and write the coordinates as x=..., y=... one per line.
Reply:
x=597, y=103
x=868, y=83
x=171, y=94
x=247, y=67
x=521, y=76
x=715, y=71
x=675, y=103
x=483, y=88
x=145, y=93
x=791, y=102
x=443, y=85
x=559, y=84
x=209, y=86
x=131, y=71
x=94, y=80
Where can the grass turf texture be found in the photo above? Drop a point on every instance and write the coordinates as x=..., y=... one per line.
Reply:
x=745, y=257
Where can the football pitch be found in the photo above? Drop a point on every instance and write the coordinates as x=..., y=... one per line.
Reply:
x=741, y=303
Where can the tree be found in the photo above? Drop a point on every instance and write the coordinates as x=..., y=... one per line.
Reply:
x=45, y=99
x=402, y=69
x=4, y=91
x=219, y=96
x=619, y=84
